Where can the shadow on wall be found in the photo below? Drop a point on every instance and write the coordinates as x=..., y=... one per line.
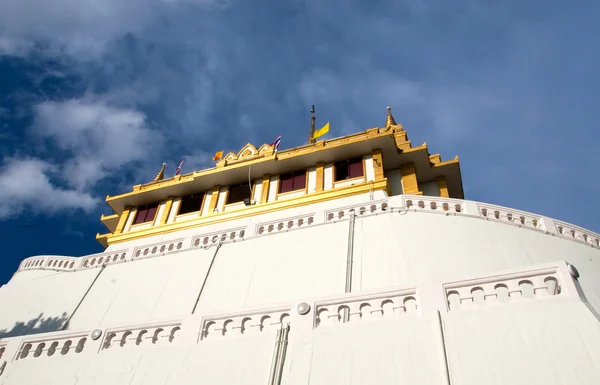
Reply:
x=35, y=325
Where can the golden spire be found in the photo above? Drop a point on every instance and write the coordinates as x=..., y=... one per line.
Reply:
x=311, y=135
x=161, y=173
x=390, y=119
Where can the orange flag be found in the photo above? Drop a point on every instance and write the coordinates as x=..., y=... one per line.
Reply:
x=218, y=155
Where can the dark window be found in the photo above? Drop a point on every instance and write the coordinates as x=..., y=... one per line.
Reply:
x=292, y=181
x=190, y=204
x=146, y=213
x=238, y=193
x=348, y=169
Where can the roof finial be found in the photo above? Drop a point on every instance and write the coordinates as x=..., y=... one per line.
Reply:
x=161, y=173
x=390, y=119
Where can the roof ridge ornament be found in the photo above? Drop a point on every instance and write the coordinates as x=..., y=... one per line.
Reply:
x=161, y=173
x=390, y=121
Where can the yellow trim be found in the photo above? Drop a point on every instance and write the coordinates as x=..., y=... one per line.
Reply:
x=441, y=182
x=320, y=177
x=123, y=220
x=363, y=178
x=102, y=239
x=264, y=194
x=409, y=179
x=282, y=155
x=106, y=219
x=213, y=200
x=252, y=210
x=377, y=158
x=167, y=211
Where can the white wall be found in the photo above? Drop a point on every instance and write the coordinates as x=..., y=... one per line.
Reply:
x=277, y=268
x=417, y=248
x=41, y=301
x=405, y=350
x=145, y=290
x=543, y=342
x=273, y=188
x=328, y=176
x=549, y=340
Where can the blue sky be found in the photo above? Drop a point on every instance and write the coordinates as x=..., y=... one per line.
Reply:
x=95, y=95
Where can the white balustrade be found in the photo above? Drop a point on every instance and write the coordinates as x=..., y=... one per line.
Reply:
x=224, y=236
x=243, y=324
x=408, y=202
x=569, y=231
x=144, y=336
x=100, y=259
x=158, y=248
x=52, y=347
x=359, y=210
x=507, y=288
x=285, y=224
x=433, y=204
x=370, y=307
x=504, y=214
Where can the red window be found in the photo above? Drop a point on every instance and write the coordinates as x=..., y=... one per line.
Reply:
x=190, y=204
x=238, y=193
x=145, y=213
x=292, y=181
x=348, y=169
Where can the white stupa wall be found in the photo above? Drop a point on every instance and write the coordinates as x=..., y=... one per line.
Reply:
x=410, y=259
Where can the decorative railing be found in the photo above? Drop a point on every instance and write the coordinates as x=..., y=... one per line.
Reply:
x=358, y=210
x=514, y=287
x=426, y=203
x=284, y=224
x=57, y=346
x=158, y=248
x=573, y=232
x=148, y=335
x=230, y=235
x=100, y=259
x=415, y=203
x=352, y=309
x=531, y=285
x=516, y=217
x=246, y=323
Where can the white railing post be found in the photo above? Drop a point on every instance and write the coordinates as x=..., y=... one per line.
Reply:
x=471, y=208
x=548, y=225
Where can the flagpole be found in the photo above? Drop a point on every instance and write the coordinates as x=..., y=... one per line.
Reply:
x=312, y=126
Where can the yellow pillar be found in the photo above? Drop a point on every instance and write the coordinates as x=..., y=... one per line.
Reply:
x=264, y=195
x=123, y=220
x=213, y=200
x=319, y=185
x=166, y=211
x=441, y=182
x=378, y=164
x=409, y=179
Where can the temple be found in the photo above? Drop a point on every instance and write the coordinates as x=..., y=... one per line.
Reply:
x=353, y=260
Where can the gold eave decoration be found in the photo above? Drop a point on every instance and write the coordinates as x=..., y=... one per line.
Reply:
x=392, y=141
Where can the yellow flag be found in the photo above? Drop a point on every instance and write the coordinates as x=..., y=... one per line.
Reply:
x=321, y=131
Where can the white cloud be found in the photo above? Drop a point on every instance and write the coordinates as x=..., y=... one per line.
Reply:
x=26, y=184
x=100, y=138
x=80, y=29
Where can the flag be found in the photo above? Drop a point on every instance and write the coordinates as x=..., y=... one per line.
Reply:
x=276, y=143
x=321, y=131
x=178, y=169
x=218, y=155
